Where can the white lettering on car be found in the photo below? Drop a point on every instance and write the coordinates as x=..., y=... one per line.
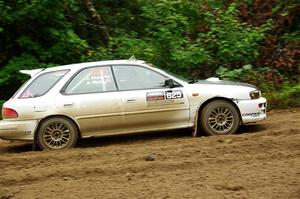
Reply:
x=251, y=114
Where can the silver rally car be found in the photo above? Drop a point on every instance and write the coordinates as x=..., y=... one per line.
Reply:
x=58, y=105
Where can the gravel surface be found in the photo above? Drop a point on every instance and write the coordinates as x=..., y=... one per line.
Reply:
x=261, y=161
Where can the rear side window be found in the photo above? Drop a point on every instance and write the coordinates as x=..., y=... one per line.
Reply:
x=92, y=80
x=42, y=84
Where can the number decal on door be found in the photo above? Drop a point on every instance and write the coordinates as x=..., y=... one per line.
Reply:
x=164, y=95
x=158, y=98
x=176, y=94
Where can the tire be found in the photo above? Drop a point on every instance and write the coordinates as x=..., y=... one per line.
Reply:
x=57, y=133
x=219, y=118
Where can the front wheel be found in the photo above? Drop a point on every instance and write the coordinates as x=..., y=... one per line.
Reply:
x=219, y=118
x=57, y=133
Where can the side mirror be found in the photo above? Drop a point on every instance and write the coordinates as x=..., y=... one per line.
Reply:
x=170, y=83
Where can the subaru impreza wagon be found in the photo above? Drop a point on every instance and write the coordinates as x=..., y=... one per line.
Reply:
x=59, y=105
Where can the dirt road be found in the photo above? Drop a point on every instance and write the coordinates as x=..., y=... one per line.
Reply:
x=262, y=161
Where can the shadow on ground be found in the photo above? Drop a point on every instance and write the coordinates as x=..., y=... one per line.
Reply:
x=20, y=147
x=132, y=138
x=251, y=128
x=16, y=147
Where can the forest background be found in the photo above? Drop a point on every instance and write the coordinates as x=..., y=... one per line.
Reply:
x=254, y=41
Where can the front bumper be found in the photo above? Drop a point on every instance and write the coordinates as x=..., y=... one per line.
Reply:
x=17, y=130
x=252, y=110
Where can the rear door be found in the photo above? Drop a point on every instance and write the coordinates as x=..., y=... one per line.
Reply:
x=147, y=103
x=91, y=98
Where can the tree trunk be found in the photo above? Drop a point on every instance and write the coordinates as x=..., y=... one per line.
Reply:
x=98, y=20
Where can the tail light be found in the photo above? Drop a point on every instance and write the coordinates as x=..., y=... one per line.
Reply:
x=9, y=113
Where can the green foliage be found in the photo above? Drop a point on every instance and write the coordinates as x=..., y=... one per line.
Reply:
x=287, y=96
x=1, y=104
x=35, y=34
x=170, y=25
x=241, y=40
x=292, y=37
x=139, y=47
x=235, y=74
x=10, y=76
x=279, y=93
x=230, y=41
x=9, y=72
x=267, y=79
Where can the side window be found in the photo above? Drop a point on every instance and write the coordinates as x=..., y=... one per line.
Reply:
x=92, y=80
x=135, y=77
x=42, y=84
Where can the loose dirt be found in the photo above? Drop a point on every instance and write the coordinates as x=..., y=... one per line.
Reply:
x=261, y=161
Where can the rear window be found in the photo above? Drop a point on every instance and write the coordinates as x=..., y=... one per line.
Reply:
x=42, y=84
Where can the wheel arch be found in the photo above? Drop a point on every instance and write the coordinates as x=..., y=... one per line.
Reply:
x=54, y=116
x=214, y=99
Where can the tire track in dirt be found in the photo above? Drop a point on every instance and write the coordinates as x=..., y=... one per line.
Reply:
x=262, y=161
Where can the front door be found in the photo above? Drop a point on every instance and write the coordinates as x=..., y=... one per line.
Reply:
x=147, y=103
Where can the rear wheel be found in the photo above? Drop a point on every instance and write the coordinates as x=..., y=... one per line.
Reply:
x=57, y=133
x=220, y=117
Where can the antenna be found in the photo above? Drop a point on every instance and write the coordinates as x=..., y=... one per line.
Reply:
x=132, y=58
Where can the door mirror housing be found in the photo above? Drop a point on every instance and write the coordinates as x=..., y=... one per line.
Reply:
x=170, y=83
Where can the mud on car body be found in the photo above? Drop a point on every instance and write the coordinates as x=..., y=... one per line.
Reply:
x=58, y=105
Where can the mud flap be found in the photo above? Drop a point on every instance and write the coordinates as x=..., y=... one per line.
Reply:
x=195, y=130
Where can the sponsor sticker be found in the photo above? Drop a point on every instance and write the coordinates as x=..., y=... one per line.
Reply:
x=152, y=96
x=164, y=97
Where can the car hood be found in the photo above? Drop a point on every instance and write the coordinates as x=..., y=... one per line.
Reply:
x=222, y=82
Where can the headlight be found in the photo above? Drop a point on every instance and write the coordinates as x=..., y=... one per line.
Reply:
x=255, y=94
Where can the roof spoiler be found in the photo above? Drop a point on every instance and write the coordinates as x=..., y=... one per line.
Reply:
x=31, y=72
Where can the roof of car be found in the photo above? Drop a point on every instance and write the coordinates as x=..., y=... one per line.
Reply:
x=83, y=65
x=100, y=63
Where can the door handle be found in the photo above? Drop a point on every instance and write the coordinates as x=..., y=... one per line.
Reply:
x=68, y=104
x=130, y=100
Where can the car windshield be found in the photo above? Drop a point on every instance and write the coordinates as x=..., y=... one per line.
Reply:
x=42, y=84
